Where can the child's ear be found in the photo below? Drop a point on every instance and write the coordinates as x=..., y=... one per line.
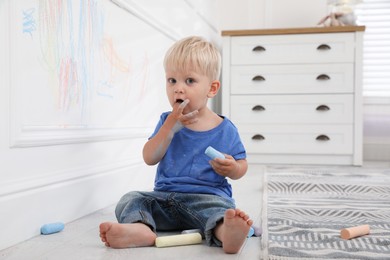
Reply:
x=215, y=85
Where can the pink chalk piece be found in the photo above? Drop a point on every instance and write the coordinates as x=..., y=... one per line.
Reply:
x=352, y=232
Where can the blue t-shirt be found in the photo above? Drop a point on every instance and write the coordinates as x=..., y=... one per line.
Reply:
x=185, y=167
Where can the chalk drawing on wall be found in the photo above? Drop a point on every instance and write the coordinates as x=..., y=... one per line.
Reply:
x=29, y=23
x=80, y=57
x=82, y=71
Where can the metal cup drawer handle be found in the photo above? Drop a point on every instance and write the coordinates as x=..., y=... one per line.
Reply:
x=258, y=108
x=258, y=48
x=258, y=137
x=323, y=108
x=322, y=138
x=323, y=47
x=323, y=77
x=258, y=78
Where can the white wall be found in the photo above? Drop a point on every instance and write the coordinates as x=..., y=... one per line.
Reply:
x=258, y=14
x=238, y=15
x=71, y=133
x=377, y=129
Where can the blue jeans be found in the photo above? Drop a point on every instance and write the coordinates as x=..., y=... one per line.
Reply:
x=172, y=211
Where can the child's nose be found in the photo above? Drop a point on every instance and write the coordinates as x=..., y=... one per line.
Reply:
x=179, y=88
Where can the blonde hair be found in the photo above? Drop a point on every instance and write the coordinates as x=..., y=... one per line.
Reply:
x=194, y=53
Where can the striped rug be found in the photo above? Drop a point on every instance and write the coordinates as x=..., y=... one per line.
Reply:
x=305, y=209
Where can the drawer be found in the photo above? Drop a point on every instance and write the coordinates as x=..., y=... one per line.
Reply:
x=290, y=79
x=287, y=49
x=321, y=109
x=297, y=139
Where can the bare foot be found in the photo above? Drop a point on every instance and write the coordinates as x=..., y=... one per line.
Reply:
x=233, y=231
x=117, y=235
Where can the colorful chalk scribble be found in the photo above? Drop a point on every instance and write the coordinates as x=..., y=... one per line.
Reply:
x=29, y=24
x=81, y=60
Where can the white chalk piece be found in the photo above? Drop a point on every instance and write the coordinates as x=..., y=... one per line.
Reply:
x=179, y=240
x=51, y=228
x=212, y=153
x=189, y=231
x=352, y=232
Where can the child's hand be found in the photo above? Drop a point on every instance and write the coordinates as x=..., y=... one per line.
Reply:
x=181, y=119
x=227, y=167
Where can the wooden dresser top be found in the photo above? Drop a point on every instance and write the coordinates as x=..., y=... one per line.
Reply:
x=303, y=30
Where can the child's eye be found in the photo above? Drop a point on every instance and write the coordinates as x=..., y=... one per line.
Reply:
x=190, y=81
x=171, y=80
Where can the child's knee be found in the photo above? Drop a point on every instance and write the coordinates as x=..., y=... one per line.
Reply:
x=129, y=198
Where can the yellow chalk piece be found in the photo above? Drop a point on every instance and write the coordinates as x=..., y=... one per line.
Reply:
x=349, y=233
x=179, y=240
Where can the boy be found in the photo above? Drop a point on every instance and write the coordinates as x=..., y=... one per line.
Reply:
x=190, y=191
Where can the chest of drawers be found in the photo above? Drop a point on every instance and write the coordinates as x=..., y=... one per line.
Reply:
x=295, y=94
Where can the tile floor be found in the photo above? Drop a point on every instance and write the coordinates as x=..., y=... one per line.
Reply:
x=80, y=239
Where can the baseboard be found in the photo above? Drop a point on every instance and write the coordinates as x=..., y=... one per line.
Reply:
x=67, y=200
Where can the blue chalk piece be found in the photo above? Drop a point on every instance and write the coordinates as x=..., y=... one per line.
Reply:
x=251, y=232
x=212, y=153
x=51, y=228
